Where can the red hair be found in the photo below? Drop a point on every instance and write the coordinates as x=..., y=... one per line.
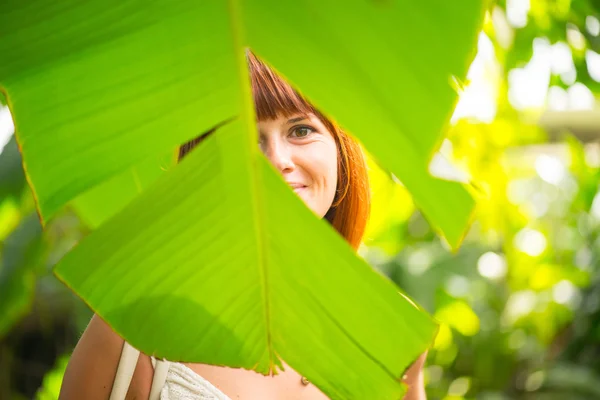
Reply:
x=273, y=98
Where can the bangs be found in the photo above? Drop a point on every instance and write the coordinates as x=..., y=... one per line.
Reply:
x=274, y=97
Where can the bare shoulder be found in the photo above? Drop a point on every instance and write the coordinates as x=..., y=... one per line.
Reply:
x=93, y=365
x=415, y=381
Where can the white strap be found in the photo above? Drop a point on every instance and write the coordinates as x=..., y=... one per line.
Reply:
x=127, y=363
x=161, y=368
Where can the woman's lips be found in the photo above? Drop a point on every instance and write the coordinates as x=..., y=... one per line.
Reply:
x=297, y=187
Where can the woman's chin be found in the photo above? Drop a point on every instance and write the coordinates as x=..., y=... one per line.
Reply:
x=309, y=201
x=304, y=195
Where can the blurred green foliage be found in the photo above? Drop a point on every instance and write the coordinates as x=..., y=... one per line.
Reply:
x=519, y=303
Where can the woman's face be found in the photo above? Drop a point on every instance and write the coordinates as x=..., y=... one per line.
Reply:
x=304, y=151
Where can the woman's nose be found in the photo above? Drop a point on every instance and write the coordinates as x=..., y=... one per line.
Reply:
x=280, y=156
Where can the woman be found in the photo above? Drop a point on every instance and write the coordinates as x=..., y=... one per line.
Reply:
x=326, y=168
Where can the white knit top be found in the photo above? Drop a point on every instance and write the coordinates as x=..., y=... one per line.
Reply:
x=171, y=380
x=181, y=383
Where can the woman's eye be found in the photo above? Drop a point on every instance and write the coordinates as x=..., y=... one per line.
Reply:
x=302, y=131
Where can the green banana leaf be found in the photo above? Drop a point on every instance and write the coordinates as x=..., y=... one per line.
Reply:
x=101, y=202
x=217, y=261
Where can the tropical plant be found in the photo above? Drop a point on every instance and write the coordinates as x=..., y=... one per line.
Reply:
x=195, y=263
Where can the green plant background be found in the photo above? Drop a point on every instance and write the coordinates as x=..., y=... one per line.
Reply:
x=519, y=302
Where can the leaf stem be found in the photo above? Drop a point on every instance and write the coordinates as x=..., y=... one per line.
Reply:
x=248, y=119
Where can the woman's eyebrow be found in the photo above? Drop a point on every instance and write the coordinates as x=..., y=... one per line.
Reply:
x=297, y=119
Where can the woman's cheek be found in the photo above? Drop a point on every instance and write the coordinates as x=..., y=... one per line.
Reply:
x=320, y=159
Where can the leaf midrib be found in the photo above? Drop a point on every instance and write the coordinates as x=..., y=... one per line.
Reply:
x=248, y=121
